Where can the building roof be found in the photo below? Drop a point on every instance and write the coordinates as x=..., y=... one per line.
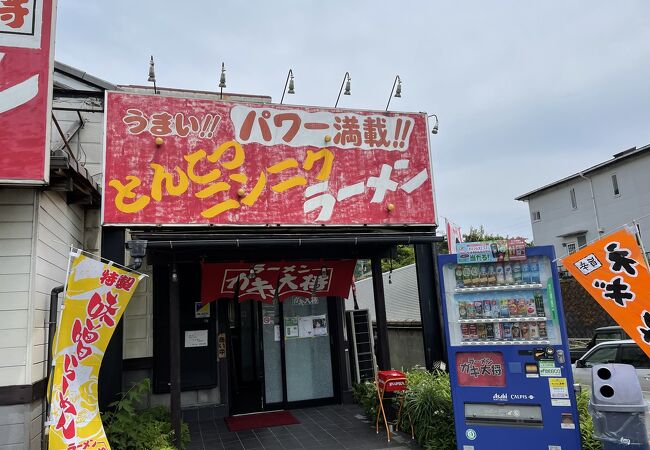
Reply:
x=76, y=79
x=618, y=157
x=402, y=299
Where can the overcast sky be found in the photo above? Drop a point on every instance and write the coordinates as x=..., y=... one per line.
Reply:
x=526, y=92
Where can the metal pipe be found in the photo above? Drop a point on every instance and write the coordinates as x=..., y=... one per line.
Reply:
x=294, y=242
x=175, y=357
x=593, y=199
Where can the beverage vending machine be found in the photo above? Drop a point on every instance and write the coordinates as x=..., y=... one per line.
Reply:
x=509, y=364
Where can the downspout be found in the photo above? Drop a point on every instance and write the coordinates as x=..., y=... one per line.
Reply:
x=593, y=199
x=54, y=303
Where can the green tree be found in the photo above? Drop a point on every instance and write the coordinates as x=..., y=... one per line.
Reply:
x=405, y=256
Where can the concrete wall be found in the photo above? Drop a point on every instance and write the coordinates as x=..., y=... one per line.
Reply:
x=406, y=347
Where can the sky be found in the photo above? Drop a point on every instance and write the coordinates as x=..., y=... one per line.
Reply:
x=526, y=92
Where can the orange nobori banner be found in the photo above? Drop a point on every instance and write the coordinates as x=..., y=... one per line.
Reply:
x=613, y=270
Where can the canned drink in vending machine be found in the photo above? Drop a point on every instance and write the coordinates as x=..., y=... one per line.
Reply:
x=524, y=330
x=516, y=331
x=484, y=274
x=471, y=312
x=533, y=330
x=532, y=308
x=478, y=307
x=473, y=332
x=489, y=330
x=512, y=307
x=498, y=331
x=487, y=309
x=503, y=308
x=464, y=331
x=507, y=330
x=482, y=331
x=542, y=330
x=462, y=310
x=522, y=307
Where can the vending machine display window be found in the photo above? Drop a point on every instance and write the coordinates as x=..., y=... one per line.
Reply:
x=501, y=303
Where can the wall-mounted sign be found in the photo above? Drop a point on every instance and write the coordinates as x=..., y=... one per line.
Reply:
x=26, y=62
x=265, y=281
x=196, y=338
x=227, y=163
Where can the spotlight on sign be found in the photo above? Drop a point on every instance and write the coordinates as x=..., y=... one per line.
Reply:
x=152, y=75
x=398, y=91
x=291, y=86
x=346, y=82
x=435, y=127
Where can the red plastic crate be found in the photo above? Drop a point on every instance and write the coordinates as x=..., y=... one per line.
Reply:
x=391, y=380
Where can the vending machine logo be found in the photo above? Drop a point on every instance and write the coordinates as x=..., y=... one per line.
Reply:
x=500, y=397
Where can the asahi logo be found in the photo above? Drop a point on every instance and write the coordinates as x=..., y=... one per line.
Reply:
x=500, y=397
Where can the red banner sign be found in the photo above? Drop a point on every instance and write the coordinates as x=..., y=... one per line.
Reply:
x=243, y=163
x=26, y=61
x=480, y=369
x=286, y=279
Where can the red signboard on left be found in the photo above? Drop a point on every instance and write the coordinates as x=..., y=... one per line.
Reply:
x=26, y=61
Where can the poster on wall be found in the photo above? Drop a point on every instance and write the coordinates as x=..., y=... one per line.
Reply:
x=95, y=298
x=26, y=65
x=227, y=163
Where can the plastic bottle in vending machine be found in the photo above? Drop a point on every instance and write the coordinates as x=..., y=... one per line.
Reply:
x=467, y=276
x=525, y=272
x=512, y=307
x=473, y=333
x=501, y=280
x=539, y=304
x=532, y=308
x=482, y=331
x=516, y=272
x=524, y=330
x=476, y=275
x=492, y=275
x=516, y=331
x=533, y=330
x=483, y=274
x=489, y=330
x=507, y=273
x=522, y=307
x=458, y=272
x=534, y=270
x=471, y=312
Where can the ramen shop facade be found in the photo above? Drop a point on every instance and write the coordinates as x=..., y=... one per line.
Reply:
x=250, y=218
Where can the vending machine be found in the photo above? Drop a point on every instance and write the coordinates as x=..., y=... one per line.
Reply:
x=509, y=364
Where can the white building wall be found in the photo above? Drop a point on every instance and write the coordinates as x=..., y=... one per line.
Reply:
x=559, y=219
x=17, y=213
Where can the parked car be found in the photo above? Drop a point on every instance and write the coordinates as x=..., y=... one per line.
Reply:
x=602, y=334
x=621, y=352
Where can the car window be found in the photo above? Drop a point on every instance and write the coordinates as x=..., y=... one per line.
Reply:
x=604, y=336
x=603, y=355
x=632, y=354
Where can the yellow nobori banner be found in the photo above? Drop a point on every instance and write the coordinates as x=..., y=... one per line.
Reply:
x=96, y=296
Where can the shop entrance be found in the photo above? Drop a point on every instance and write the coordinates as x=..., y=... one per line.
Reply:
x=281, y=353
x=246, y=368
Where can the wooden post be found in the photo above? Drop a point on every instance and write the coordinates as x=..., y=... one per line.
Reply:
x=174, y=357
x=383, y=353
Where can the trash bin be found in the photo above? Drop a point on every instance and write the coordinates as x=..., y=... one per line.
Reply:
x=617, y=407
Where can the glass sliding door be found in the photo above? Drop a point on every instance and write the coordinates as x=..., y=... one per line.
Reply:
x=308, y=358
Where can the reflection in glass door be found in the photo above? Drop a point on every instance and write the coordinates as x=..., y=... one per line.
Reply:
x=271, y=323
x=308, y=358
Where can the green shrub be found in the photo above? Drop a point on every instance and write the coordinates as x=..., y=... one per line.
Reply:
x=586, y=425
x=365, y=394
x=150, y=429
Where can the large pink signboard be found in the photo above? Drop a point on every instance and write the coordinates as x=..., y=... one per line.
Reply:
x=26, y=58
x=254, y=164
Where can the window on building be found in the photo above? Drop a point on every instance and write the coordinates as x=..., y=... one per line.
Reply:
x=574, y=202
x=615, y=185
x=536, y=216
x=582, y=241
x=571, y=248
